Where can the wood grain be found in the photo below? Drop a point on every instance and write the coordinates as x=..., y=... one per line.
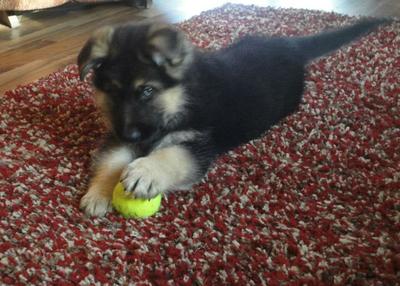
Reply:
x=50, y=39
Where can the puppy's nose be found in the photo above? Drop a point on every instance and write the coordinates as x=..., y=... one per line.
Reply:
x=132, y=134
x=136, y=135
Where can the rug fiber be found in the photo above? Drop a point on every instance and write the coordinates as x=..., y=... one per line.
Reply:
x=315, y=201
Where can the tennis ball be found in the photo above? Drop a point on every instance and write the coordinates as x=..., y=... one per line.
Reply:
x=134, y=208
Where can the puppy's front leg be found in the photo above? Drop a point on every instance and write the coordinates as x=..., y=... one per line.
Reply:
x=108, y=168
x=165, y=169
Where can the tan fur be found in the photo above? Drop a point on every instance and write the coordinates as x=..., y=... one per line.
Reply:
x=97, y=200
x=102, y=104
x=176, y=163
x=163, y=170
x=156, y=27
x=171, y=101
x=175, y=59
x=97, y=47
x=138, y=82
x=101, y=42
x=178, y=137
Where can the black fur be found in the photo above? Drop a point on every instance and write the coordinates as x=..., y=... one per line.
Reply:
x=232, y=95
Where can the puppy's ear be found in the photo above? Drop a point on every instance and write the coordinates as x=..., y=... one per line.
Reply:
x=169, y=49
x=95, y=50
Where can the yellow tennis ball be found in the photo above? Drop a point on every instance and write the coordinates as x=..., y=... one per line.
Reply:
x=134, y=208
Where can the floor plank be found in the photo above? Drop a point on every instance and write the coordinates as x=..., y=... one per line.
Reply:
x=50, y=39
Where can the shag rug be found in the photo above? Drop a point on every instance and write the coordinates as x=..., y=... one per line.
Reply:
x=315, y=201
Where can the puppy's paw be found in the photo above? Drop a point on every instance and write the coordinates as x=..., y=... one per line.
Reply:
x=144, y=178
x=94, y=203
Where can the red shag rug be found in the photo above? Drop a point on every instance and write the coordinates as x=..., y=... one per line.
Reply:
x=313, y=202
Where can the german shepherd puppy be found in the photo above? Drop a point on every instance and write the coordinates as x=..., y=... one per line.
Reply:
x=171, y=109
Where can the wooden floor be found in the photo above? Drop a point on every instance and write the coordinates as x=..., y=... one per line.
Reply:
x=48, y=40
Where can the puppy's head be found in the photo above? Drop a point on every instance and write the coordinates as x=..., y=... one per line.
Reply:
x=137, y=71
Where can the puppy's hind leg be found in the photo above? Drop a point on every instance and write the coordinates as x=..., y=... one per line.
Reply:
x=107, y=172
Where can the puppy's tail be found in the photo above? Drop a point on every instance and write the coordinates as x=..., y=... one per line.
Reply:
x=321, y=44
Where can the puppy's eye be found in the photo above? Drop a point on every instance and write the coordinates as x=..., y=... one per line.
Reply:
x=97, y=65
x=145, y=92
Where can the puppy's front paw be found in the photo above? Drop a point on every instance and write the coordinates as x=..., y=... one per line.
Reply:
x=94, y=203
x=144, y=178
